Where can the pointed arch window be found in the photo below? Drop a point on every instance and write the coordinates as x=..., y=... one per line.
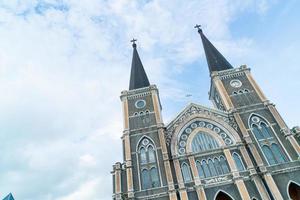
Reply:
x=269, y=155
x=212, y=168
x=265, y=130
x=278, y=153
x=147, y=161
x=154, y=177
x=257, y=132
x=151, y=154
x=203, y=142
x=143, y=155
x=200, y=169
x=269, y=144
x=186, y=172
x=238, y=161
x=145, y=179
x=218, y=166
x=224, y=165
x=205, y=169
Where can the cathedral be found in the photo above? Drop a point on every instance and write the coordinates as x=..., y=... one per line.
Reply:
x=240, y=149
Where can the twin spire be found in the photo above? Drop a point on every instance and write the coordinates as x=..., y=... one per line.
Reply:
x=215, y=61
x=138, y=76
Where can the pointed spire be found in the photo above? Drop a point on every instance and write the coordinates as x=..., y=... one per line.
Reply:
x=9, y=197
x=215, y=60
x=138, y=76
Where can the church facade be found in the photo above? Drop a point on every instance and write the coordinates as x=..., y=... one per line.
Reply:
x=240, y=149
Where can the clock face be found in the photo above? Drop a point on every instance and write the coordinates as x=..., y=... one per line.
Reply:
x=236, y=83
x=140, y=103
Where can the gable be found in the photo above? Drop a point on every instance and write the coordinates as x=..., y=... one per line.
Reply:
x=194, y=110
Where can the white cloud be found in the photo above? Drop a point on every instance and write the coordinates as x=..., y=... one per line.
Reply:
x=63, y=65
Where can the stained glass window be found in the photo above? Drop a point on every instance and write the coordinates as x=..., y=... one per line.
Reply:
x=205, y=169
x=145, y=179
x=154, y=177
x=278, y=153
x=203, y=141
x=268, y=153
x=224, y=165
x=212, y=167
x=200, y=170
x=186, y=172
x=238, y=162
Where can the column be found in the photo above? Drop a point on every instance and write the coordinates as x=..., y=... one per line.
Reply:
x=172, y=191
x=273, y=187
x=182, y=190
x=239, y=182
x=199, y=187
x=223, y=93
x=118, y=189
x=253, y=174
x=128, y=166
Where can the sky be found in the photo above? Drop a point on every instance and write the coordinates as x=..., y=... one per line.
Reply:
x=64, y=63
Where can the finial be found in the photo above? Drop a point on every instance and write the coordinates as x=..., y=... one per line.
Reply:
x=133, y=42
x=197, y=26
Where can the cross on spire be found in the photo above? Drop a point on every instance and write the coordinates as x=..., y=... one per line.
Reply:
x=133, y=42
x=215, y=60
x=197, y=26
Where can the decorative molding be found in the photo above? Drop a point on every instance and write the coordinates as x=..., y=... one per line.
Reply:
x=194, y=109
x=216, y=180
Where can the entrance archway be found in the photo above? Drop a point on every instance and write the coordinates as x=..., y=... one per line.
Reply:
x=294, y=191
x=223, y=196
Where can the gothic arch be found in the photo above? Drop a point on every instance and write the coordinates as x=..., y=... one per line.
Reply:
x=207, y=131
x=222, y=195
x=293, y=190
x=145, y=170
x=259, y=116
x=205, y=117
x=141, y=139
x=265, y=121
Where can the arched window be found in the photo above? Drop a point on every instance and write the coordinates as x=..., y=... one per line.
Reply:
x=257, y=132
x=151, y=154
x=200, y=170
x=279, y=155
x=149, y=174
x=203, y=142
x=212, y=168
x=238, y=161
x=265, y=136
x=268, y=153
x=186, y=172
x=145, y=179
x=205, y=169
x=265, y=130
x=218, y=166
x=224, y=165
x=143, y=155
x=154, y=177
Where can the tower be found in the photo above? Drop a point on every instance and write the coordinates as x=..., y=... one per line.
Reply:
x=146, y=169
x=240, y=149
x=267, y=138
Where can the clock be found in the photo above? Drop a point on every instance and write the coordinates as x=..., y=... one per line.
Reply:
x=235, y=83
x=140, y=103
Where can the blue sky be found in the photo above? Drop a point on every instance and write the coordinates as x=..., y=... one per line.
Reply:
x=64, y=63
